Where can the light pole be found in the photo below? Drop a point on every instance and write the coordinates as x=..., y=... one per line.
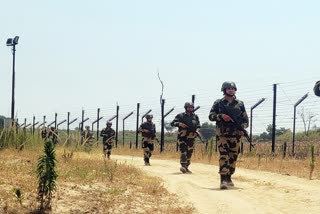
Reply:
x=13, y=42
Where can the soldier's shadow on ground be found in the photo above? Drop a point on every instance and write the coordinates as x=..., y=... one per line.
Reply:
x=218, y=188
x=180, y=173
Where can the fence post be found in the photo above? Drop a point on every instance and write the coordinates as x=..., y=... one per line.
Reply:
x=251, y=115
x=137, y=127
x=274, y=117
x=69, y=123
x=123, y=126
x=162, y=125
x=55, y=120
x=97, y=121
x=294, y=120
x=284, y=149
x=33, y=124
x=82, y=121
x=117, y=121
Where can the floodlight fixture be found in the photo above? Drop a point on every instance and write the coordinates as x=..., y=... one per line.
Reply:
x=12, y=41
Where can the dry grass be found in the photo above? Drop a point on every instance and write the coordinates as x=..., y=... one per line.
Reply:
x=87, y=183
x=259, y=159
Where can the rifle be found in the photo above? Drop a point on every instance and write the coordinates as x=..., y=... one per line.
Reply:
x=200, y=138
x=198, y=133
x=108, y=138
x=238, y=125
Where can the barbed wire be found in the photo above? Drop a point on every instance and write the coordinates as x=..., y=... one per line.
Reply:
x=288, y=93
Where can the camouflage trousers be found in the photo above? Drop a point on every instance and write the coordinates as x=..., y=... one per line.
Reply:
x=186, y=150
x=148, y=148
x=228, y=150
x=107, y=146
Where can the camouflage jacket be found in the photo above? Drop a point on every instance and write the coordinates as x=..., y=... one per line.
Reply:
x=151, y=127
x=87, y=135
x=107, y=133
x=235, y=108
x=193, y=123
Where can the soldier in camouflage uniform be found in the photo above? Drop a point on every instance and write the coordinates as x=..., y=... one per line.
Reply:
x=44, y=133
x=188, y=128
x=316, y=89
x=53, y=135
x=228, y=136
x=87, y=138
x=148, y=131
x=108, y=134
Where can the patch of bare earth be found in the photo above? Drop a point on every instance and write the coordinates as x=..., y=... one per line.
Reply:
x=87, y=183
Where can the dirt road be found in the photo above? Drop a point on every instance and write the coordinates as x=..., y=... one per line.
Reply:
x=255, y=192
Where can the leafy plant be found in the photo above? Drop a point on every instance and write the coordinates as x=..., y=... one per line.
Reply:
x=18, y=195
x=47, y=176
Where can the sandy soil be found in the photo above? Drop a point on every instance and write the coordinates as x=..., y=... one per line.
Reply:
x=254, y=192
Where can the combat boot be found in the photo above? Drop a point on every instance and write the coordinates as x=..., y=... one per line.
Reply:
x=183, y=169
x=188, y=171
x=223, y=182
x=229, y=181
x=146, y=162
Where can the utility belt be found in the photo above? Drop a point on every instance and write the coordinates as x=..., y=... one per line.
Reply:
x=149, y=139
x=228, y=131
x=149, y=135
x=185, y=139
x=108, y=142
x=184, y=134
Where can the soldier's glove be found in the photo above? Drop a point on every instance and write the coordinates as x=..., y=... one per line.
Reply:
x=226, y=118
x=182, y=125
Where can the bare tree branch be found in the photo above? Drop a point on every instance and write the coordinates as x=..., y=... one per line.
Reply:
x=307, y=119
x=161, y=87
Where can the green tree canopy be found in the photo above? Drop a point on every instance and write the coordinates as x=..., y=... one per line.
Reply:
x=208, y=130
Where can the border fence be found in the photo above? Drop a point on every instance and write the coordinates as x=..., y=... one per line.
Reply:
x=273, y=108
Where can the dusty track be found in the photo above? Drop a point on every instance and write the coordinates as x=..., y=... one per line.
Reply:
x=254, y=191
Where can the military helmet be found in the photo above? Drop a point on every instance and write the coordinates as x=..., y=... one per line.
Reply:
x=316, y=89
x=109, y=123
x=87, y=127
x=188, y=104
x=149, y=116
x=228, y=84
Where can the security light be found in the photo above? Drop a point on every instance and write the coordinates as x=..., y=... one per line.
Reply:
x=13, y=41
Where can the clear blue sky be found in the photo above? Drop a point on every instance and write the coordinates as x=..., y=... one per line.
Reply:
x=89, y=54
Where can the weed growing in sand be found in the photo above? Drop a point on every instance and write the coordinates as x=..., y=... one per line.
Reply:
x=47, y=176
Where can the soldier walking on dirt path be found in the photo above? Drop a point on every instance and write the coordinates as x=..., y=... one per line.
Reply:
x=108, y=134
x=148, y=132
x=87, y=138
x=225, y=111
x=188, y=129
